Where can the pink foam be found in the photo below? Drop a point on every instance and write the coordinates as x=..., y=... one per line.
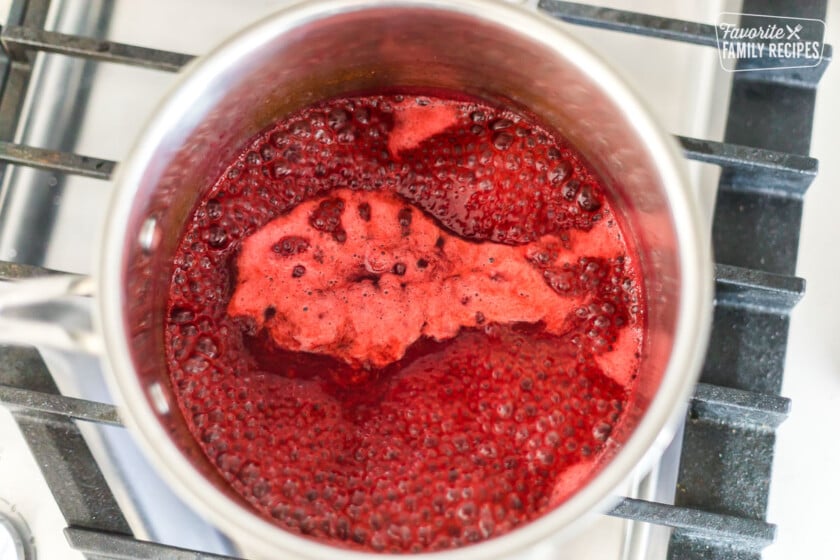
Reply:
x=350, y=303
x=414, y=123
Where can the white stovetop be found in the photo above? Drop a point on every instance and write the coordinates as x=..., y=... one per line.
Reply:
x=805, y=491
x=682, y=85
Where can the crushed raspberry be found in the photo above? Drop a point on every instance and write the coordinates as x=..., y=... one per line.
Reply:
x=404, y=323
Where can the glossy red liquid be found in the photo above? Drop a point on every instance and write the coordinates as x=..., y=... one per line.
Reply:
x=458, y=381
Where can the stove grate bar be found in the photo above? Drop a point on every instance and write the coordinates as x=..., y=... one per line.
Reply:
x=19, y=271
x=767, y=170
x=115, y=546
x=746, y=534
x=756, y=290
x=14, y=75
x=736, y=407
x=684, y=31
x=54, y=160
x=631, y=22
x=19, y=39
x=58, y=405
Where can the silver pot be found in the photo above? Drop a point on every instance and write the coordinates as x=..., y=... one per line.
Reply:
x=315, y=50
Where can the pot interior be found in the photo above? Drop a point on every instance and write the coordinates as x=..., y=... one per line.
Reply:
x=275, y=70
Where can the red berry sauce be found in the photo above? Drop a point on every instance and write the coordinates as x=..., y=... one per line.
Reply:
x=404, y=323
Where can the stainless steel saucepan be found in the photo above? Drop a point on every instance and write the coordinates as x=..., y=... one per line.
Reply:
x=326, y=48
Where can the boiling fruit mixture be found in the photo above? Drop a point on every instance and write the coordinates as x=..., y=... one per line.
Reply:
x=404, y=323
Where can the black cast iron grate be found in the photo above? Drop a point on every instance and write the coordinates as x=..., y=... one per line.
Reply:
x=727, y=452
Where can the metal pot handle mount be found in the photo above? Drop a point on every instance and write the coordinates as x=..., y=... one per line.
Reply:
x=53, y=311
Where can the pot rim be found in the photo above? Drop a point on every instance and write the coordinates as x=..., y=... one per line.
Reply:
x=648, y=440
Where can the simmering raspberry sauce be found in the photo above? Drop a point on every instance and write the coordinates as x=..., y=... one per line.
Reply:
x=404, y=323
